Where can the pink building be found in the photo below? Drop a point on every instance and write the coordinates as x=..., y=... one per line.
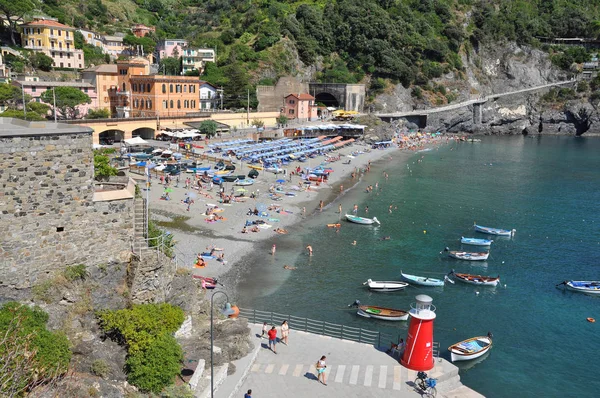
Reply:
x=140, y=30
x=300, y=106
x=36, y=88
x=170, y=48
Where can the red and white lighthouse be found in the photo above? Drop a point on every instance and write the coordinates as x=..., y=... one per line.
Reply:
x=418, y=354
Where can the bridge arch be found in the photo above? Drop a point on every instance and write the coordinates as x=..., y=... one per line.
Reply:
x=146, y=133
x=327, y=99
x=108, y=137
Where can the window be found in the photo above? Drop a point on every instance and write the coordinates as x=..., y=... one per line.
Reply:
x=124, y=89
x=122, y=72
x=164, y=88
x=177, y=88
x=79, y=56
x=136, y=103
x=134, y=87
x=148, y=87
x=61, y=55
x=184, y=88
x=60, y=32
x=149, y=104
x=85, y=89
x=51, y=32
x=291, y=112
x=61, y=64
x=171, y=90
x=178, y=104
x=193, y=104
x=165, y=103
x=33, y=89
x=171, y=105
x=39, y=43
x=68, y=56
x=68, y=46
x=69, y=64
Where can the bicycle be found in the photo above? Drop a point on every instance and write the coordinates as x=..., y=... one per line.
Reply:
x=425, y=385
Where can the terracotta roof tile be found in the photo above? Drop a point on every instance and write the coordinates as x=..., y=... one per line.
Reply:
x=301, y=96
x=47, y=22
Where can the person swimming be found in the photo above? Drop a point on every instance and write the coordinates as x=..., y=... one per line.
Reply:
x=386, y=238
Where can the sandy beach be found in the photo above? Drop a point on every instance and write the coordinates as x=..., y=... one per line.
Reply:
x=194, y=233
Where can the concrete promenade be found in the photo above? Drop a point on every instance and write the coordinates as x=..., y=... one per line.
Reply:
x=353, y=370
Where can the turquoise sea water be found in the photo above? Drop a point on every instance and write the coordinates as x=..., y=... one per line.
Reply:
x=547, y=188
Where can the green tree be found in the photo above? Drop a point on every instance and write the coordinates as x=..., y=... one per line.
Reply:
x=67, y=100
x=170, y=66
x=98, y=114
x=30, y=355
x=236, y=86
x=79, y=40
x=208, y=127
x=10, y=95
x=41, y=61
x=13, y=12
x=258, y=123
x=282, y=120
x=19, y=114
x=213, y=74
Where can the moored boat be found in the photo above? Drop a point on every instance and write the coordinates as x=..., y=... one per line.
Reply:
x=232, y=178
x=422, y=280
x=475, y=241
x=476, y=279
x=494, y=231
x=469, y=256
x=362, y=220
x=587, y=287
x=471, y=348
x=385, y=286
x=386, y=314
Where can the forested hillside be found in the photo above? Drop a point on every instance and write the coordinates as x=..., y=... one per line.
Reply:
x=403, y=41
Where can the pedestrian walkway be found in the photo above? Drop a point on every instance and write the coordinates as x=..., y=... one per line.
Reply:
x=353, y=370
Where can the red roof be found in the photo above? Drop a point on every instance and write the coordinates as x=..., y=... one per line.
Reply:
x=47, y=22
x=302, y=96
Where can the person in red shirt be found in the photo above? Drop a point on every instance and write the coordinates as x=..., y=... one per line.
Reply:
x=272, y=338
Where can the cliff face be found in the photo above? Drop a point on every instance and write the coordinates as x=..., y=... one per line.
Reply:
x=497, y=70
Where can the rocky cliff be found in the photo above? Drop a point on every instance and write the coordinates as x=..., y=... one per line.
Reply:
x=497, y=70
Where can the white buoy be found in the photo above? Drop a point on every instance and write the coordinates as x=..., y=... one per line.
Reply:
x=502, y=262
x=476, y=293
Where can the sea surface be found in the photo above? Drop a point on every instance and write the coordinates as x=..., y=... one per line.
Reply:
x=547, y=188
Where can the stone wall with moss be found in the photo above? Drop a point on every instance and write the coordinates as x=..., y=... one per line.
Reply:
x=47, y=214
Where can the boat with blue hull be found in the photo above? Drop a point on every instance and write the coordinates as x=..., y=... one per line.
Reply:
x=475, y=241
x=494, y=231
x=361, y=220
x=587, y=287
x=422, y=280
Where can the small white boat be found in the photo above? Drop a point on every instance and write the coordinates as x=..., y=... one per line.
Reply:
x=422, y=280
x=475, y=241
x=470, y=348
x=494, y=231
x=385, y=286
x=385, y=314
x=362, y=220
x=587, y=287
x=476, y=279
x=244, y=182
x=469, y=256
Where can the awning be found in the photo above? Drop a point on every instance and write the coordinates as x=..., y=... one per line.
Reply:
x=136, y=141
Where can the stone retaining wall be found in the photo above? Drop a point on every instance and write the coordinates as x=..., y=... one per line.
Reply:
x=47, y=214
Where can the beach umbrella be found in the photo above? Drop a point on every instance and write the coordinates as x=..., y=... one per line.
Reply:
x=241, y=190
x=280, y=181
x=168, y=189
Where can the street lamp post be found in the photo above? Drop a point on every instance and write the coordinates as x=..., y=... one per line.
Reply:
x=212, y=390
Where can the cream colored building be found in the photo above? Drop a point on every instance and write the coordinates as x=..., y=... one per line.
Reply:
x=54, y=39
x=196, y=58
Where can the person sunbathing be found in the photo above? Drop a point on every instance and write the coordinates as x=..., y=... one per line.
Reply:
x=254, y=229
x=244, y=230
x=289, y=267
x=281, y=231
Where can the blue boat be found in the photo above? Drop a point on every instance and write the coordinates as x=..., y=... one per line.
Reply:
x=475, y=241
x=494, y=231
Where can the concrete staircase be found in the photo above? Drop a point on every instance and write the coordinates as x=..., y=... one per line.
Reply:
x=140, y=225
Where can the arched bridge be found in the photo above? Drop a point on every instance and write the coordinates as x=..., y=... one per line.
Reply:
x=146, y=127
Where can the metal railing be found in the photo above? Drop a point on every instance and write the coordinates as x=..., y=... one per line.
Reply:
x=360, y=335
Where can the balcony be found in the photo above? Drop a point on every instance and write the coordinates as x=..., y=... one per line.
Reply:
x=53, y=37
x=69, y=38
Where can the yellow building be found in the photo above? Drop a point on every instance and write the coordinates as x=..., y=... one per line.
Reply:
x=55, y=40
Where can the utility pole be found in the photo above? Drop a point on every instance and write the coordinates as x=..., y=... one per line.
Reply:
x=54, y=100
x=248, y=109
x=24, y=105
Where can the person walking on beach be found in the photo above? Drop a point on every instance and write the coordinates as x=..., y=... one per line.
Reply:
x=248, y=394
x=272, y=338
x=340, y=208
x=321, y=366
x=285, y=331
x=264, y=330
x=273, y=250
x=355, y=209
x=321, y=205
x=367, y=209
x=310, y=251
x=341, y=188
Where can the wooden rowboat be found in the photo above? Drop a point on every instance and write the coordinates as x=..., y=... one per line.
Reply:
x=469, y=256
x=476, y=279
x=362, y=220
x=422, y=280
x=385, y=286
x=334, y=225
x=470, y=349
x=494, y=231
x=386, y=314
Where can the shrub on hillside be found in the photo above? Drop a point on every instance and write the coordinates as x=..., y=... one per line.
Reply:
x=30, y=355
